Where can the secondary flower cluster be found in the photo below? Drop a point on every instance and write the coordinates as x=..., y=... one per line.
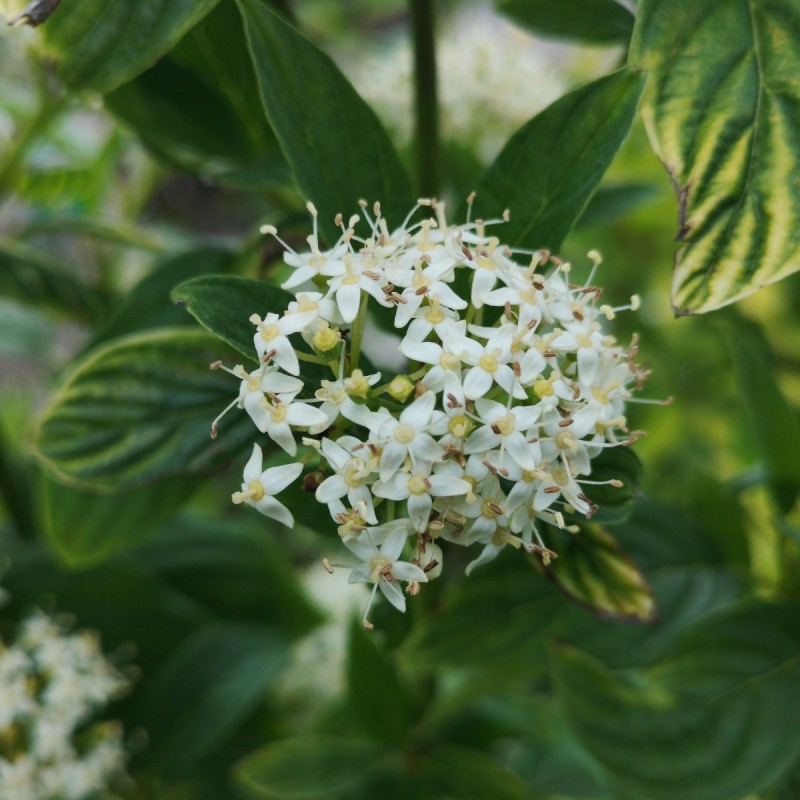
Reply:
x=51, y=684
x=513, y=388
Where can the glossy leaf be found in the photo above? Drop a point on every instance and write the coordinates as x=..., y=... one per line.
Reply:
x=723, y=114
x=595, y=21
x=338, y=150
x=595, y=571
x=772, y=424
x=713, y=721
x=380, y=699
x=549, y=169
x=85, y=527
x=309, y=767
x=206, y=688
x=37, y=279
x=139, y=409
x=224, y=305
x=100, y=44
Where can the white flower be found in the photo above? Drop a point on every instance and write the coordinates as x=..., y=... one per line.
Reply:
x=259, y=488
x=417, y=488
x=271, y=340
x=490, y=364
x=351, y=477
x=406, y=437
x=280, y=413
x=379, y=550
x=505, y=427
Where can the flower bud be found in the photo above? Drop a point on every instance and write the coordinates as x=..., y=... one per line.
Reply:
x=400, y=388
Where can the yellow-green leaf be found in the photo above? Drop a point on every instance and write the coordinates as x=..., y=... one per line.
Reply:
x=595, y=571
x=723, y=114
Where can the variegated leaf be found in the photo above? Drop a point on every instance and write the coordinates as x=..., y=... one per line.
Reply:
x=723, y=114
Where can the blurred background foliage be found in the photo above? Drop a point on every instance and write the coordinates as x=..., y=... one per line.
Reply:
x=252, y=679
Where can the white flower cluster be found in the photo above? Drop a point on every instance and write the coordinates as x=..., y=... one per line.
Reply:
x=514, y=388
x=51, y=685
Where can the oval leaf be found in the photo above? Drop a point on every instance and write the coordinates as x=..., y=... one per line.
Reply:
x=595, y=571
x=310, y=767
x=380, y=699
x=224, y=305
x=141, y=408
x=206, y=688
x=337, y=148
x=597, y=21
x=452, y=771
x=723, y=114
x=549, y=169
x=100, y=44
x=85, y=527
x=695, y=736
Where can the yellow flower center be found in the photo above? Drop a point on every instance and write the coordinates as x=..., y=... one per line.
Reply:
x=404, y=433
x=269, y=332
x=488, y=362
x=418, y=484
x=459, y=426
x=354, y=473
x=566, y=441
x=506, y=425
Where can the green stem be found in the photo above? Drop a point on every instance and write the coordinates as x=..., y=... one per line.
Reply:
x=310, y=358
x=357, y=334
x=425, y=96
x=24, y=139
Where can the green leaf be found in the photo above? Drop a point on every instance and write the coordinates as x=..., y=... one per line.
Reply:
x=101, y=44
x=595, y=21
x=36, y=279
x=379, y=698
x=337, y=149
x=206, y=688
x=722, y=115
x=199, y=107
x=112, y=231
x=595, y=571
x=121, y=599
x=713, y=721
x=236, y=568
x=310, y=767
x=140, y=409
x=772, y=424
x=181, y=119
x=615, y=200
x=498, y=617
x=224, y=305
x=148, y=304
x=549, y=169
x=451, y=771
x=85, y=527
x=615, y=502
